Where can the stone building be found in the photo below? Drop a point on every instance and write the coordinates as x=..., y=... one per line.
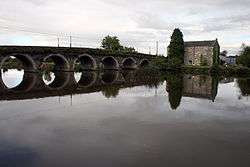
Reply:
x=202, y=53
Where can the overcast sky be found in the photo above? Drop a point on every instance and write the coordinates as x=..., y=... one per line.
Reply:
x=137, y=23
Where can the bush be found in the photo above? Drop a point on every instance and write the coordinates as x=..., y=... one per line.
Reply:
x=244, y=58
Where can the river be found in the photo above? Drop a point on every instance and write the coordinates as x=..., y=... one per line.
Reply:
x=107, y=119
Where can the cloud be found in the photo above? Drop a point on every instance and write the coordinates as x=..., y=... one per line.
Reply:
x=132, y=21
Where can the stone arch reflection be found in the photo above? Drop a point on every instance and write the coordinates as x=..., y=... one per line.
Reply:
x=28, y=81
x=110, y=63
x=85, y=62
x=59, y=62
x=87, y=79
x=109, y=77
x=59, y=81
x=129, y=63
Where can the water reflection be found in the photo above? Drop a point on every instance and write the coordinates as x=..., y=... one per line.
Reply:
x=199, y=86
x=48, y=77
x=109, y=83
x=11, y=78
x=175, y=89
x=48, y=84
x=244, y=85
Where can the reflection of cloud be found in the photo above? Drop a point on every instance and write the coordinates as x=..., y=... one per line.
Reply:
x=12, y=154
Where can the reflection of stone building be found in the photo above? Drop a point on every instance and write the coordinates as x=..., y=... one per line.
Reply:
x=199, y=86
x=204, y=53
x=227, y=80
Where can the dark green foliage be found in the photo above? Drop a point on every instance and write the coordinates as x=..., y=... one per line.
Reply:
x=174, y=63
x=244, y=85
x=129, y=49
x=12, y=63
x=244, y=58
x=216, y=54
x=176, y=48
x=159, y=63
x=111, y=43
x=110, y=91
x=175, y=88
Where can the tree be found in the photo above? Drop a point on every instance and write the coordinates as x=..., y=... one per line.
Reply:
x=223, y=56
x=129, y=49
x=111, y=43
x=244, y=58
x=176, y=48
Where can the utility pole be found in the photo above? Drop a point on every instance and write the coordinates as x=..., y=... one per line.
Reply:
x=58, y=42
x=149, y=50
x=70, y=41
x=157, y=47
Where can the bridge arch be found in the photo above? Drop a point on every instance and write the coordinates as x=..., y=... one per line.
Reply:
x=26, y=60
x=110, y=63
x=86, y=62
x=87, y=79
x=129, y=63
x=28, y=81
x=144, y=63
x=61, y=80
x=109, y=77
x=60, y=62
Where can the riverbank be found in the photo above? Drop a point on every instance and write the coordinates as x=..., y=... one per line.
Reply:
x=219, y=70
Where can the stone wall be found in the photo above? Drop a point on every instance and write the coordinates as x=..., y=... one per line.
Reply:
x=197, y=86
x=199, y=55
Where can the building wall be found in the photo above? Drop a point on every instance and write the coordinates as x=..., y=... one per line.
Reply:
x=197, y=86
x=197, y=55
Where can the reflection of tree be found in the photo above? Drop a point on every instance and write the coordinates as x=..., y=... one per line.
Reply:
x=215, y=83
x=110, y=91
x=175, y=88
x=244, y=85
x=47, y=76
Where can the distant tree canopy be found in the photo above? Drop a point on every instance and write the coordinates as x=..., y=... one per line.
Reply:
x=244, y=58
x=176, y=48
x=224, y=53
x=112, y=43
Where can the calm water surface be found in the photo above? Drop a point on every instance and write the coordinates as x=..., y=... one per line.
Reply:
x=123, y=119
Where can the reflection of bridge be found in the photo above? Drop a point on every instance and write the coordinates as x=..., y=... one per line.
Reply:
x=33, y=86
x=65, y=59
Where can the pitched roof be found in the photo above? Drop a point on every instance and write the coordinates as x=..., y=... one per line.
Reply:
x=200, y=43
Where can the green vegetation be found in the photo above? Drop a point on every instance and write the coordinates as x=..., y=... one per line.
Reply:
x=113, y=44
x=216, y=55
x=244, y=85
x=244, y=58
x=176, y=49
x=12, y=63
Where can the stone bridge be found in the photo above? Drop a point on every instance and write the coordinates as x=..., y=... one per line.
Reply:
x=65, y=59
x=64, y=83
